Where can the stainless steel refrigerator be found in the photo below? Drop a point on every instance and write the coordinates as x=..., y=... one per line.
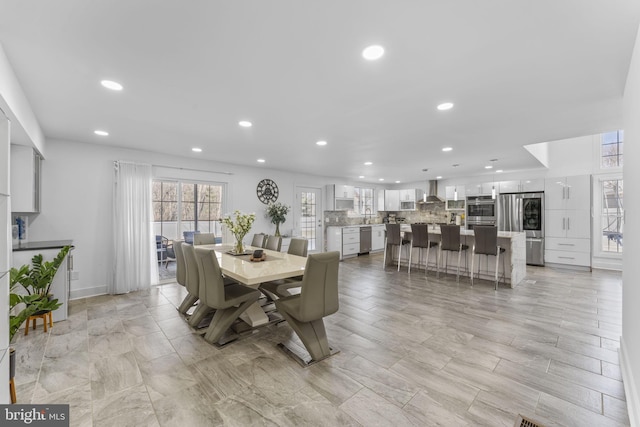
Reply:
x=524, y=212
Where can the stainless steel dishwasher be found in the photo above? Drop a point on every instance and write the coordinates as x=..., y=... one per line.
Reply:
x=365, y=240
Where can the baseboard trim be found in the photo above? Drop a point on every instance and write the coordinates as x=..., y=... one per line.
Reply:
x=633, y=399
x=87, y=292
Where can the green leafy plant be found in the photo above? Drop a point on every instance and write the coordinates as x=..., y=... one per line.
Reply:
x=240, y=227
x=37, y=278
x=277, y=212
x=18, y=313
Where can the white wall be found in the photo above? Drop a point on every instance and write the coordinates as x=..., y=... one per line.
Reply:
x=77, y=200
x=630, y=341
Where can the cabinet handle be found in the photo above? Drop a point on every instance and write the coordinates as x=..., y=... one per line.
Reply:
x=566, y=257
x=563, y=222
x=566, y=244
x=568, y=226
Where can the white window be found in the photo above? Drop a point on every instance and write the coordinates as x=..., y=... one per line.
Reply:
x=611, y=149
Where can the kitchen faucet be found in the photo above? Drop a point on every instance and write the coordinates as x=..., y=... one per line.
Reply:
x=367, y=220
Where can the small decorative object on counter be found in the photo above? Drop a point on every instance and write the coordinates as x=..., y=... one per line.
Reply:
x=239, y=228
x=277, y=212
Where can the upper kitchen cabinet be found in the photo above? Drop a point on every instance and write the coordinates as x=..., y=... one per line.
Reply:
x=482, y=189
x=340, y=197
x=391, y=200
x=572, y=192
x=523, y=186
x=26, y=164
x=454, y=203
x=410, y=198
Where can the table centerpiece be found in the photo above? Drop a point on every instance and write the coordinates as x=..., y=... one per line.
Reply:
x=239, y=228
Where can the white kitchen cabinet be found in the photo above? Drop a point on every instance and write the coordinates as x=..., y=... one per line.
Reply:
x=25, y=179
x=522, y=186
x=481, y=189
x=409, y=199
x=345, y=240
x=340, y=197
x=450, y=203
x=391, y=200
x=377, y=237
x=568, y=220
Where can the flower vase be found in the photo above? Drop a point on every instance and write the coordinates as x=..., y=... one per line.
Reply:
x=277, y=233
x=239, y=245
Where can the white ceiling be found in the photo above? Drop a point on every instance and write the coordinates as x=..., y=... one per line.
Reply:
x=519, y=72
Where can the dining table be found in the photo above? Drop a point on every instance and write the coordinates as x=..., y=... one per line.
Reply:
x=275, y=266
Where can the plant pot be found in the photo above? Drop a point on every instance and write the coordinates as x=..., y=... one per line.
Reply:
x=12, y=362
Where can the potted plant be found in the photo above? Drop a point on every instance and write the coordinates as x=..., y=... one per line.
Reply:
x=239, y=228
x=277, y=212
x=37, y=278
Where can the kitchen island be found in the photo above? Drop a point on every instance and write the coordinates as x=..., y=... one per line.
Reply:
x=515, y=254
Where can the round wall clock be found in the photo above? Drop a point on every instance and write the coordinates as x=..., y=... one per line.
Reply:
x=267, y=191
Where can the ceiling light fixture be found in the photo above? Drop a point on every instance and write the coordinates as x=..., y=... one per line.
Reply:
x=380, y=179
x=196, y=150
x=488, y=167
x=261, y=160
x=499, y=171
x=110, y=84
x=445, y=106
x=361, y=177
x=245, y=123
x=368, y=163
x=321, y=143
x=371, y=53
x=439, y=177
x=101, y=132
x=445, y=149
x=397, y=182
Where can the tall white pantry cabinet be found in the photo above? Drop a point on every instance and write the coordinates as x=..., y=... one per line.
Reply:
x=568, y=220
x=5, y=253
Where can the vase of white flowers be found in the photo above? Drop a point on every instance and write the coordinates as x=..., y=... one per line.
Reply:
x=240, y=227
x=277, y=212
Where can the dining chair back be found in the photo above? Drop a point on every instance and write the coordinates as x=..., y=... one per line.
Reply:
x=258, y=240
x=191, y=278
x=273, y=243
x=486, y=243
x=420, y=239
x=393, y=238
x=298, y=246
x=450, y=242
x=229, y=301
x=204, y=239
x=181, y=271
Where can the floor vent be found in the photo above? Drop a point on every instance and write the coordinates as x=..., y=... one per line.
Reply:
x=526, y=422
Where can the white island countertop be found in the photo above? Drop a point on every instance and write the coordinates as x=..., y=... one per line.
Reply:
x=436, y=230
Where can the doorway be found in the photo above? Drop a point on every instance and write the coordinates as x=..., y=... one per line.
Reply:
x=307, y=216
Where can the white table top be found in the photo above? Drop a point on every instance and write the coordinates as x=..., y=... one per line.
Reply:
x=278, y=265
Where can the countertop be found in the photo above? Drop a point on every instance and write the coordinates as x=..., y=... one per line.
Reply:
x=436, y=230
x=38, y=246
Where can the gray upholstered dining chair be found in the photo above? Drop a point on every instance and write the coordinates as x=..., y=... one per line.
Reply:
x=450, y=242
x=393, y=238
x=181, y=272
x=420, y=239
x=317, y=299
x=273, y=243
x=486, y=243
x=204, y=239
x=258, y=240
x=228, y=301
x=192, y=279
x=280, y=288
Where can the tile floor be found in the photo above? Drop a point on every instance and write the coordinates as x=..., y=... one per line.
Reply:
x=414, y=351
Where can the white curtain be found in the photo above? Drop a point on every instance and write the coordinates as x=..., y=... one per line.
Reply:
x=135, y=264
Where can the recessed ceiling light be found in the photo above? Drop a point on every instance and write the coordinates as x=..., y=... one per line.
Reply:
x=368, y=163
x=445, y=106
x=488, y=167
x=499, y=171
x=373, y=52
x=439, y=177
x=397, y=182
x=321, y=143
x=261, y=160
x=110, y=84
x=361, y=176
x=447, y=149
x=101, y=132
x=245, y=123
x=196, y=150
x=380, y=179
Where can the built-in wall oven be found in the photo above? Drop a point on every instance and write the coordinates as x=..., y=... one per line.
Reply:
x=481, y=210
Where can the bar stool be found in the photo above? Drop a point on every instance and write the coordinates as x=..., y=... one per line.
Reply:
x=420, y=239
x=393, y=238
x=486, y=243
x=451, y=242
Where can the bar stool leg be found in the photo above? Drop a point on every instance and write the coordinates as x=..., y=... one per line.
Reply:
x=497, y=265
x=384, y=258
x=473, y=258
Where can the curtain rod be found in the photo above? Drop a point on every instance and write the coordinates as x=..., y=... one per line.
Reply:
x=115, y=162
